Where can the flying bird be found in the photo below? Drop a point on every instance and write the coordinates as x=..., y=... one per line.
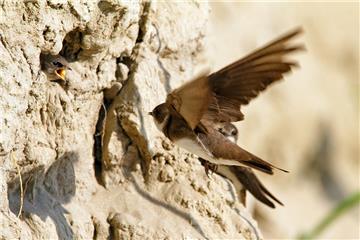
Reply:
x=243, y=178
x=191, y=115
x=54, y=66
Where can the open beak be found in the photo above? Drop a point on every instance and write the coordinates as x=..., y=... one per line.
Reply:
x=61, y=73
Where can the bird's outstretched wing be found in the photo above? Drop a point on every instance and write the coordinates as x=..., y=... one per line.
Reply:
x=218, y=97
x=191, y=100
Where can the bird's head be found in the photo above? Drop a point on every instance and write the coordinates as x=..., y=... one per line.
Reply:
x=55, y=67
x=60, y=68
x=230, y=131
x=160, y=114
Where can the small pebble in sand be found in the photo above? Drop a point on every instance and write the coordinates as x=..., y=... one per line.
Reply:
x=167, y=145
x=167, y=174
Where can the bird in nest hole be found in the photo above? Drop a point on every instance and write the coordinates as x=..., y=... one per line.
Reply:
x=54, y=66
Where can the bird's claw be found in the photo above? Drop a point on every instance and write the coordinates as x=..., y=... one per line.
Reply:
x=210, y=168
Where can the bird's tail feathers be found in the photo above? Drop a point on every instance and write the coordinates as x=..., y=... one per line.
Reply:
x=259, y=164
x=251, y=183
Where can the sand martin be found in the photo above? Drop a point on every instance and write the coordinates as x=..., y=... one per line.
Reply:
x=54, y=66
x=191, y=114
x=243, y=178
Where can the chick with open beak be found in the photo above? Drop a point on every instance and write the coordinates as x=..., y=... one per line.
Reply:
x=54, y=66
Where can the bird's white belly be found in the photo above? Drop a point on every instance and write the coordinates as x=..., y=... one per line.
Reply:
x=227, y=173
x=195, y=148
x=199, y=150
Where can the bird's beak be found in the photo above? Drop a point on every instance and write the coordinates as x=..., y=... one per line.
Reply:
x=61, y=73
x=150, y=113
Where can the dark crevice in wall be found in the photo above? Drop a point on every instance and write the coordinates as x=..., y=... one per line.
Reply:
x=129, y=61
x=142, y=22
x=132, y=64
x=125, y=60
x=97, y=150
x=72, y=45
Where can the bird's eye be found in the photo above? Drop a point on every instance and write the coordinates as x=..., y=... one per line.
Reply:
x=57, y=64
x=160, y=112
x=155, y=112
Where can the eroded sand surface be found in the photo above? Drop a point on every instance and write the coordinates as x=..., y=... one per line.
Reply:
x=90, y=173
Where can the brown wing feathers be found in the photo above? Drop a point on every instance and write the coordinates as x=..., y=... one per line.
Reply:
x=259, y=164
x=275, y=49
x=244, y=79
x=223, y=109
x=218, y=97
x=220, y=148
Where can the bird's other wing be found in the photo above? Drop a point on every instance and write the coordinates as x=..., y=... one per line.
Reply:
x=243, y=80
x=224, y=150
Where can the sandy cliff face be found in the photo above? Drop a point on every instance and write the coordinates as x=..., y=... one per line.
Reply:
x=85, y=155
x=92, y=163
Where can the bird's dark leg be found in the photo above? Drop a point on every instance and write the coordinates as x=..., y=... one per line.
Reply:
x=210, y=168
x=242, y=193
